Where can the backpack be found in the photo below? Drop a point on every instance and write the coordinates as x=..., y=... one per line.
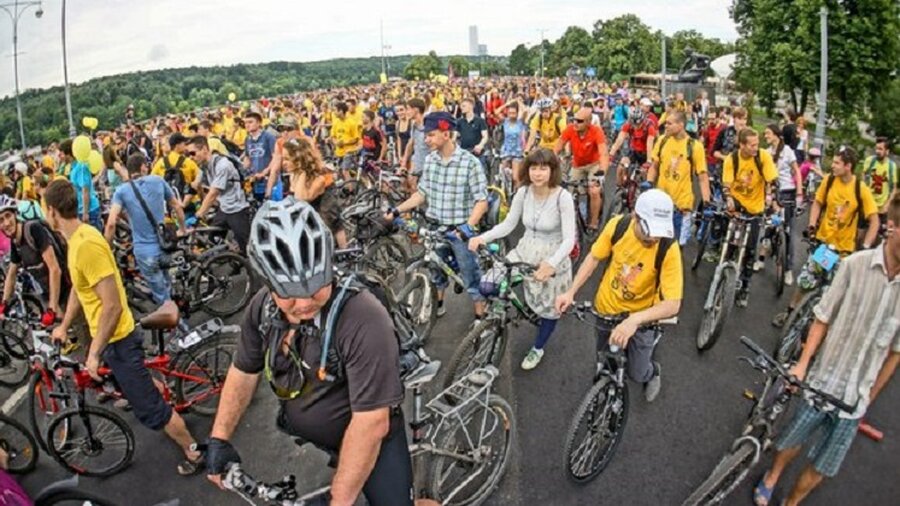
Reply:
x=735, y=160
x=57, y=242
x=891, y=173
x=661, y=250
x=232, y=148
x=236, y=163
x=174, y=176
x=858, y=191
x=29, y=210
x=690, y=150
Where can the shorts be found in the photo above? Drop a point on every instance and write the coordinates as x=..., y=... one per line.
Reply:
x=126, y=360
x=639, y=351
x=835, y=437
x=157, y=277
x=577, y=174
x=349, y=161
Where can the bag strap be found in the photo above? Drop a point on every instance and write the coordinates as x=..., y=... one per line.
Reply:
x=621, y=227
x=146, y=209
x=348, y=288
x=661, y=251
x=859, y=203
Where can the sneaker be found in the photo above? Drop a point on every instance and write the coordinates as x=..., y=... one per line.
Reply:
x=532, y=359
x=743, y=299
x=758, y=265
x=780, y=319
x=789, y=278
x=652, y=387
x=711, y=257
x=441, y=310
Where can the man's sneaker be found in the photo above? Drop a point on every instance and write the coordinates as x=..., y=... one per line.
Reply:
x=780, y=319
x=652, y=387
x=532, y=359
x=789, y=278
x=758, y=265
x=441, y=309
x=743, y=299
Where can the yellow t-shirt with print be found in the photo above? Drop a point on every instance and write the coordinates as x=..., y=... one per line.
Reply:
x=674, y=175
x=839, y=217
x=629, y=283
x=90, y=261
x=880, y=178
x=747, y=187
x=347, y=131
x=188, y=168
x=549, y=129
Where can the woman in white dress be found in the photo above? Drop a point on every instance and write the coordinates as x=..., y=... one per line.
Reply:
x=547, y=212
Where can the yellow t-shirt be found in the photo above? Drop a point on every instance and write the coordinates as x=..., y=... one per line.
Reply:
x=839, y=218
x=748, y=188
x=345, y=130
x=550, y=129
x=90, y=261
x=48, y=162
x=629, y=283
x=188, y=168
x=239, y=137
x=218, y=129
x=880, y=178
x=28, y=192
x=674, y=174
x=216, y=146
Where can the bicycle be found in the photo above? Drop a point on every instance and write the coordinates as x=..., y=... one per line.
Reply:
x=485, y=343
x=194, y=377
x=774, y=243
x=723, y=288
x=632, y=184
x=19, y=445
x=14, y=355
x=585, y=236
x=597, y=425
x=759, y=431
x=468, y=437
x=816, y=278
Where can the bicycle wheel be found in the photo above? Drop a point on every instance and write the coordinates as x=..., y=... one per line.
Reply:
x=201, y=374
x=99, y=443
x=71, y=497
x=483, y=345
x=484, y=436
x=47, y=396
x=223, y=284
x=727, y=475
x=387, y=259
x=795, y=329
x=19, y=444
x=596, y=430
x=418, y=299
x=14, y=364
x=779, y=251
x=714, y=319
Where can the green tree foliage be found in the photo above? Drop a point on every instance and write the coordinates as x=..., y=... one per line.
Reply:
x=624, y=45
x=460, y=64
x=573, y=48
x=886, y=122
x=423, y=67
x=521, y=62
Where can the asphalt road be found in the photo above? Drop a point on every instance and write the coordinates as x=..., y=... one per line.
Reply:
x=668, y=447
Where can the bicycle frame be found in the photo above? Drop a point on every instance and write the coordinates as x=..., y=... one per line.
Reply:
x=432, y=259
x=737, y=235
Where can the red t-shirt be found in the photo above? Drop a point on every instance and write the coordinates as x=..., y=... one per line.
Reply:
x=584, y=149
x=709, y=138
x=639, y=135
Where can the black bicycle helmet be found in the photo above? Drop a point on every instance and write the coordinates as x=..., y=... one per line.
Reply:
x=291, y=248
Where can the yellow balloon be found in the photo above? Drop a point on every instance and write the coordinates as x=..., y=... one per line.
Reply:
x=232, y=97
x=95, y=162
x=81, y=148
x=94, y=123
x=86, y=121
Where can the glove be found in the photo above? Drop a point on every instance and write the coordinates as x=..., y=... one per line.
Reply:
x=466, y=231
x=218, y=454
x=190, y=221
x=48, y=318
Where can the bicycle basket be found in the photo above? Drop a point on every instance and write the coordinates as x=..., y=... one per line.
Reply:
x=491, y=280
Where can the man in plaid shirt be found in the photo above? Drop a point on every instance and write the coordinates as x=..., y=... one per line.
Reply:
x=454, y=187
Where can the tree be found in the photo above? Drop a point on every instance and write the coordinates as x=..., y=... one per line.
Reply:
x=521, y=62
x=886, y=122
x=460, y=65
x=624, y=45
x=423, y=67
x=573, y=48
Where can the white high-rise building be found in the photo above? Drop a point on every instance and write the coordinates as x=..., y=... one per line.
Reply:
x=473, y=40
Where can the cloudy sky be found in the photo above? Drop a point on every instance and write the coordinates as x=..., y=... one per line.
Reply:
x=113, y=36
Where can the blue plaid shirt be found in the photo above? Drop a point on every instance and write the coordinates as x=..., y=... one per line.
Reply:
x=452, y=187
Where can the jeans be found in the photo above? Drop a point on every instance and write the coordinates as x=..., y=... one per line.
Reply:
x=94, y=219
x=788, y=200
x=238, y=223
x=151, y=268
x=468, y=270
x=682, y=220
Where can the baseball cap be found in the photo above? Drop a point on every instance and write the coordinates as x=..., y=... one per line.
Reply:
x=647, y=102
x=288, y=122
x=654, y=209
x=443, y=121
x=176, y=139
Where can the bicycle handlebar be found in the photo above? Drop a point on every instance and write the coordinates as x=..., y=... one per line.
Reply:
x=283, y=491
x=772, y=364
x=581, y=308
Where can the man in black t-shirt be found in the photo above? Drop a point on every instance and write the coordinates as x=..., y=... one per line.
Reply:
x=473, y=130
x=373, y=142
x=349, y=405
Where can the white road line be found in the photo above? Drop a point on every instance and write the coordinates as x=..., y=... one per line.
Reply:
x=14, y=400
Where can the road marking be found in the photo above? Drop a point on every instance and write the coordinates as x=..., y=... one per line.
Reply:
x=14, y=400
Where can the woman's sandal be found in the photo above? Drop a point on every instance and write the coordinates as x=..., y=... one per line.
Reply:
x=190, y=467
x=762, y=496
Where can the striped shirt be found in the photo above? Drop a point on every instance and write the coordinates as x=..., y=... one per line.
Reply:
x=452, y=187
x=862, y=310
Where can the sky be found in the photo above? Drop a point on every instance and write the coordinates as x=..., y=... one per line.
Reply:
x=107, y=37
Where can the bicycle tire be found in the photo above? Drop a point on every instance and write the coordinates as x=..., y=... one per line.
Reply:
x=203, y=274
x=779, y=247
x=14, y=360
x=421, y=315
x=505, y=421
x=597, y=397
x=42, y=406
x=196, y=362
x=723, y=302
x=74, y=416
x=22, y=450
x=387, y=259
x=728, y=474
x=70, y=497
x=795, y=329
x=477, y=350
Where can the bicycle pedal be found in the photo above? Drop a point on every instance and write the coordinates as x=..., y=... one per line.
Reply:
x=749, y=395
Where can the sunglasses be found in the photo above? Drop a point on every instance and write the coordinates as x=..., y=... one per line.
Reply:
x=579, y=121
x=192, y=153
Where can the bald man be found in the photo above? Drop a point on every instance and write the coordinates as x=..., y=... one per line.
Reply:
x=589, y=159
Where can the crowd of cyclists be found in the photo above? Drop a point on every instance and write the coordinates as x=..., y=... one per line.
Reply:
x=476, y=160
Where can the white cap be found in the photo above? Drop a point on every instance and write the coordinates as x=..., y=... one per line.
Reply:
x=654, y=208
x=646, y=101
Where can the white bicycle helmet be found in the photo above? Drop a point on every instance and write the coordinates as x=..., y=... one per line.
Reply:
x=544, y=103
x=8, y=203
x=291, y=248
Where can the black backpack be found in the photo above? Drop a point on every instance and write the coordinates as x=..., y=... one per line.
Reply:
x=174, y=176
x=235, y=162
x=735, y=160
x=233, y=149
x=690, y=151
x=661, y=251
x=57, y=242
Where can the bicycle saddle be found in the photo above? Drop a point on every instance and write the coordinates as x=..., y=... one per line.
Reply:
x=165, y=317
x=422, y=375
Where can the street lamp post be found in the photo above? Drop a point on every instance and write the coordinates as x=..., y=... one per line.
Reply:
x=823, y=79
x=66, y=73
x=15, y=11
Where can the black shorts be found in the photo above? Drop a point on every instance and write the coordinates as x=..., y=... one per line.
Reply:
x=126, y=359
